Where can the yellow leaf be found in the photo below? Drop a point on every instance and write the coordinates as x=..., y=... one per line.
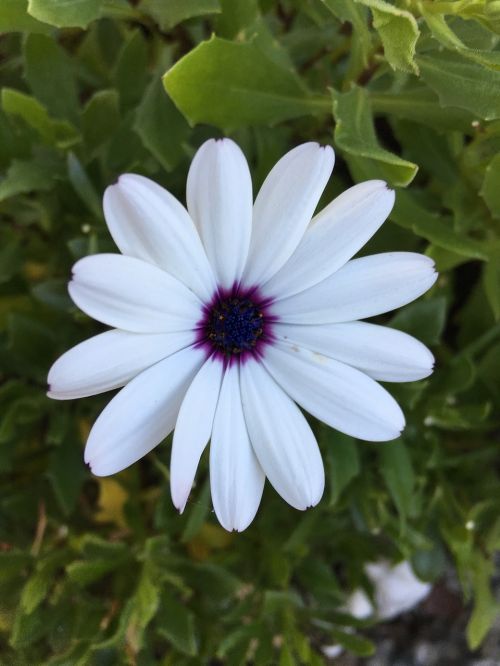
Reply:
x=210, y=537
x=112, y=498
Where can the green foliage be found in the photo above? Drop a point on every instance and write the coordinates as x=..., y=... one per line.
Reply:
x=355, y=136
x=104, y=571
x=255, y=88
x=72, y=13
x=398, y=31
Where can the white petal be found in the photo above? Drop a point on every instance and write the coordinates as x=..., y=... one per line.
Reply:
x=359, y=605
x=132, y=295
x=341, y=396
x=282, y=439
x=219, y=199
x=284, y=207
x=334, y=236
x=193, y=429
x=236, y=478
x=381, y=352
x=397, y=589
x=110, y=360
x=362, y=288
x=142, y=414
x=332, y=651
x=148, y=223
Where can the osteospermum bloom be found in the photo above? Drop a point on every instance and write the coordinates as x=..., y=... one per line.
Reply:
x=228, y=315
x=396, y=590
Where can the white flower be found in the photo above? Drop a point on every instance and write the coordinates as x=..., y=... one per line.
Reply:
x=226, y=315
x=359, y=605
x=396, y=588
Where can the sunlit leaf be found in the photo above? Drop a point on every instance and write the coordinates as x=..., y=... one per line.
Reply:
x=355, y=134
x=253, y=89
x=462, y=83
x=398, y=31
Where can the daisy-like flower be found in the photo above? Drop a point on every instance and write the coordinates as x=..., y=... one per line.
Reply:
x=396, y=590
x=228, y=315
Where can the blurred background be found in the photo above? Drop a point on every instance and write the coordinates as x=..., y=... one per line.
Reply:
x=104, y=571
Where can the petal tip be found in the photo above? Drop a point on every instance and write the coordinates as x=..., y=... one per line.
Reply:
x=242, y=526
x=329, y=153
x=124, y=178
x=180, y=505
x=96, y=471
x=316, y=500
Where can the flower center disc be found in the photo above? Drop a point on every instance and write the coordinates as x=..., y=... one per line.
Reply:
x=234, y=325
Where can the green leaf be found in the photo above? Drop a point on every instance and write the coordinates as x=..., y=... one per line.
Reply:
x=437, y=229
x=32, y=340
x=53, y=293
x=485, y=608
x=421, y=105
x=25, y=176
x=83, y=572
x=456, y=377
x=144, y=605
x=229, y=85
x=11, y=256
x=35, y=590
x=354, y=643
x=240, y=637
x=294, y=543
x=237, y=15
x=490, y=190
x=169, y=14
x=397, y=470
x=67, y=14
x=13, y=564
x=286, y=657
x=491, y=279
x=131, y=71
x=362, y=43
x=100, y=118
x=198, y=514
x=178, y=626
x=461, y=83
x=445, y=35
x=430, y=563
x=157, y=112
x=66, y=473
x=490, y=15
x=423, y=319
x=355, y=135
x=38, y=585
x=466, y=417
x=398, y=31
x=49, y=73
x=28, y=629
x=83, y=186
x=14, y=18
x=343, y=462
x=34, y=114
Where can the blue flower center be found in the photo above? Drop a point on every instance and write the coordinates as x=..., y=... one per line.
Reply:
x=234, y=325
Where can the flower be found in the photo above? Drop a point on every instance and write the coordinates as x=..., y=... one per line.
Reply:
x=360, y=607
x=226, y=315
x=396, y=590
